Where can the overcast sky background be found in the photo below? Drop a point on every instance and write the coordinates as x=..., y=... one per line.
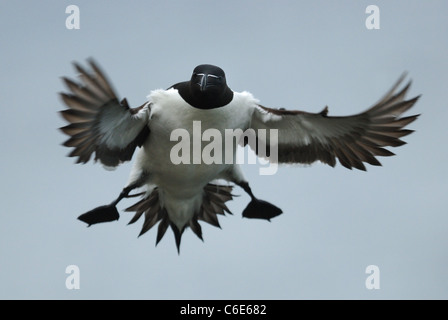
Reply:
x=291, y=54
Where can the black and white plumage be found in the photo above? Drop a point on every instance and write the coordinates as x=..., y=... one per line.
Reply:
x=179, y=195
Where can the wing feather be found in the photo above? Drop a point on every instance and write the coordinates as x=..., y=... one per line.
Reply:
x=354, y=140
x=99, y=124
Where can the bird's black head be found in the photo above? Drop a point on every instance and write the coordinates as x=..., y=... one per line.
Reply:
x=207, y=88
x=208, y=80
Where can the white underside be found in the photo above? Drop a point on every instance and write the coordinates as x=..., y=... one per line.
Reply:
x=181, y=186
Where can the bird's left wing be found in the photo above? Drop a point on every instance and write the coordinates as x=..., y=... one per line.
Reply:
x=354, y=140
x=98, y=122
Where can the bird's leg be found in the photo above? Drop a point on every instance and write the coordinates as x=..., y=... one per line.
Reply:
x=109, y=212
x=124, y=194
x=245, y=186
x=258, y=209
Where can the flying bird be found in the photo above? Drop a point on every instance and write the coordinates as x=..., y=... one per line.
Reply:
x=179, y=194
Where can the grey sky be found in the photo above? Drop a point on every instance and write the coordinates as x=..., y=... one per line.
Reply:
x=291, y=54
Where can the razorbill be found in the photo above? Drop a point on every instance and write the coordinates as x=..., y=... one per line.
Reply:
x=179, y=192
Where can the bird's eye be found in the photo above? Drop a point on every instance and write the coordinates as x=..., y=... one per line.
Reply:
x=215, y=79
x=197, y=75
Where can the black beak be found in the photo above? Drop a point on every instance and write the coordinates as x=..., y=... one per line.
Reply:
x=203, y=83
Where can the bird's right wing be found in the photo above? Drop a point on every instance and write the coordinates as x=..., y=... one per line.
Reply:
x=98, y=122
x=305, y=137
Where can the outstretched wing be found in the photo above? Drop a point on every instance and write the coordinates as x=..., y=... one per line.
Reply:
x=98, y=122
x=307, y=137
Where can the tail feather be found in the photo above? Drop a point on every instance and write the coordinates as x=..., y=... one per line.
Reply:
x=196, y=227
x=209, y=217
x=163, y=225
x=213, y=204
x=152, y=216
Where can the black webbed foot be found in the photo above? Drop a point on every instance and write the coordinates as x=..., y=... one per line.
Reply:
x=108, y=212
x=260, y=209
x=100, y=214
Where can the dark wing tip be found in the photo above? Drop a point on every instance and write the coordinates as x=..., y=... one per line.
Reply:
x=324, y=112
x=78, y=67
x=177, y=236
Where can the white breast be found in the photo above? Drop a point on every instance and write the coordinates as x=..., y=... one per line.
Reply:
x=181, y=185
x=170, y=112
